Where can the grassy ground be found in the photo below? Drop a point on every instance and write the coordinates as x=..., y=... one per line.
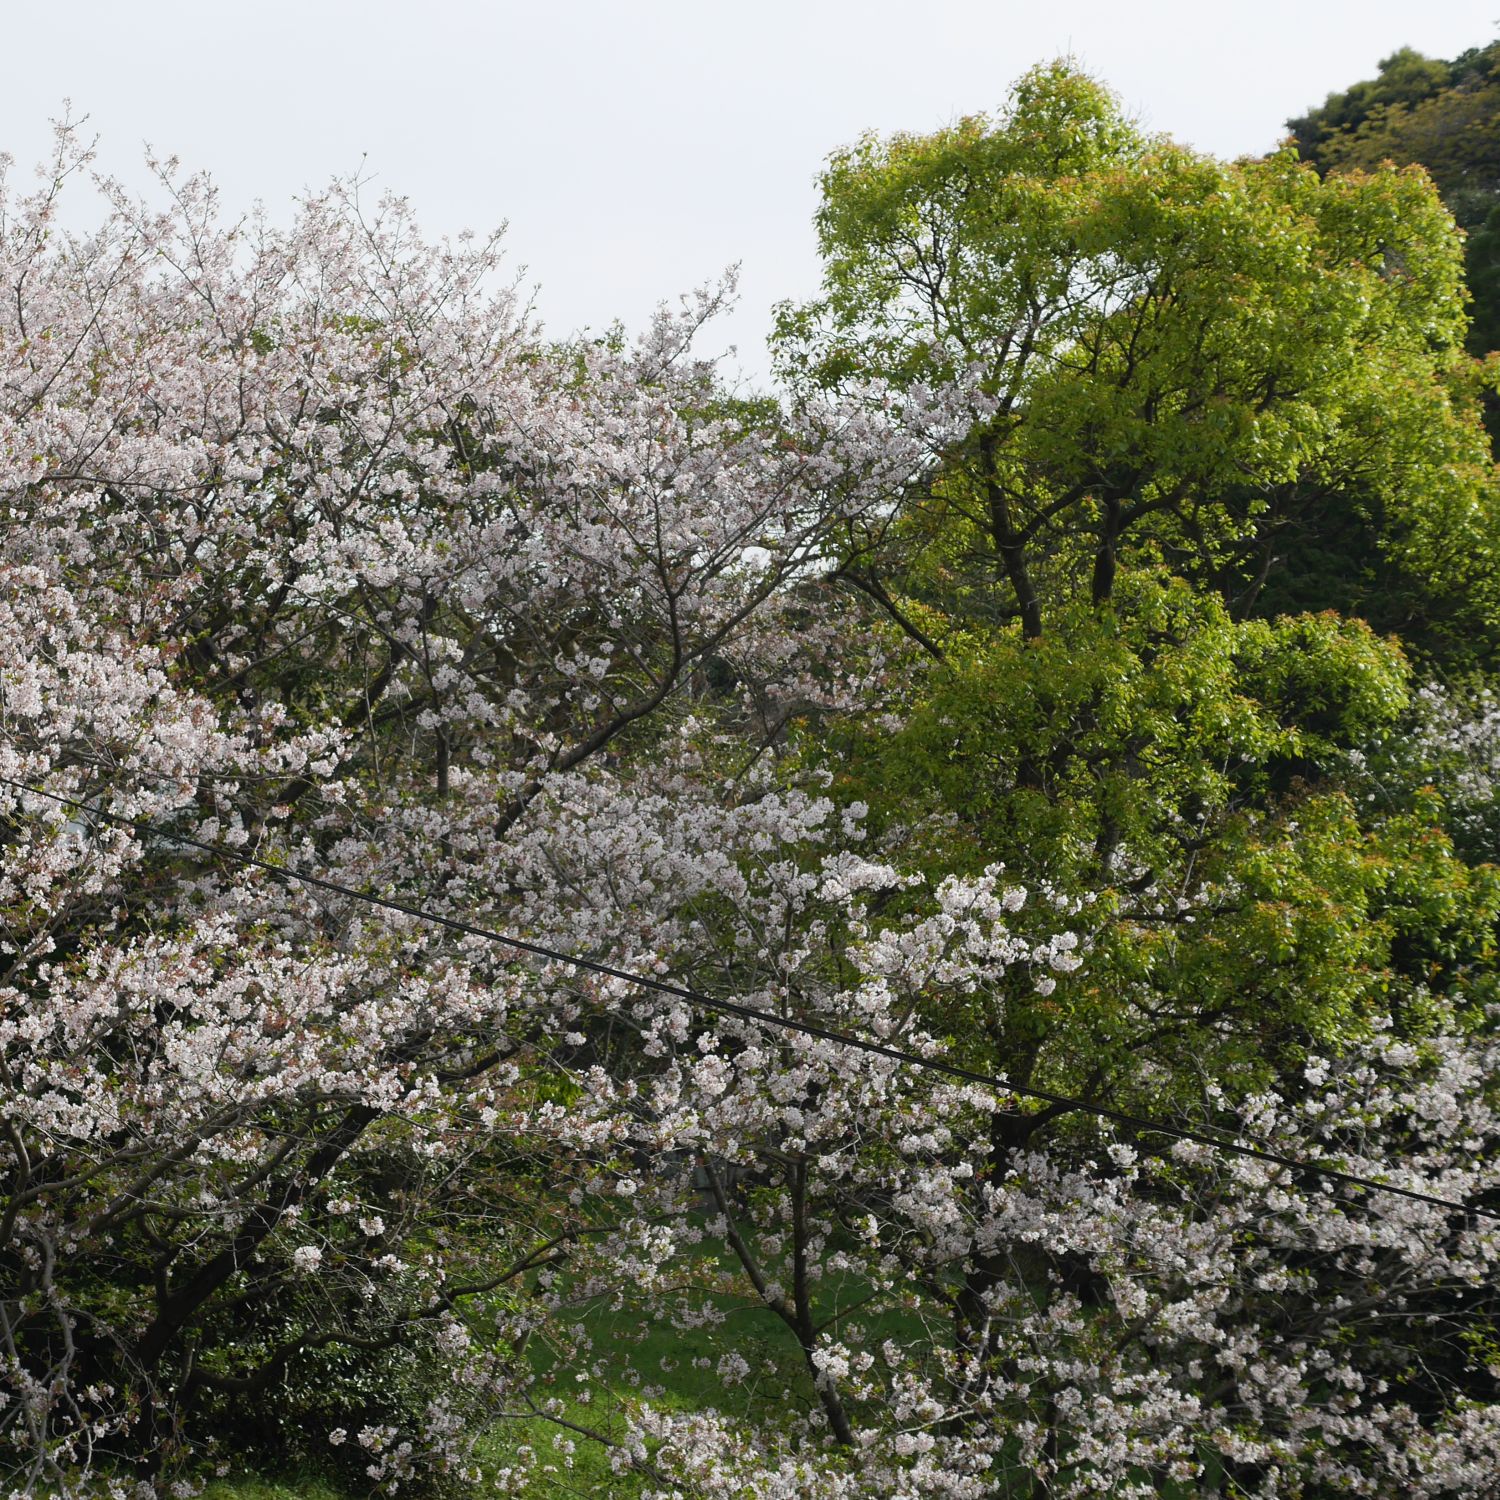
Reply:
x=571, y=1464
x=248, y=1487
x=633, y=1357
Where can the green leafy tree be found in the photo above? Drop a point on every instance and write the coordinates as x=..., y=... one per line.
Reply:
x=1180, y=359
x=1181, y=407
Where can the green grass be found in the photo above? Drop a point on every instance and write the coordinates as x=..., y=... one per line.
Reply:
x=252, y=1487
x=636, y=1355
x=669, y=1364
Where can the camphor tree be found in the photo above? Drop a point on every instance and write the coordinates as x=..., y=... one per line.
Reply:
x=311, y=548
x=1175, y=370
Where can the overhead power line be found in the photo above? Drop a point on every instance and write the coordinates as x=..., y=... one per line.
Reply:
x=751, y=1013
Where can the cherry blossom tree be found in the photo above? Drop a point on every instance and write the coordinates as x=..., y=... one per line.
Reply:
x=312, y=547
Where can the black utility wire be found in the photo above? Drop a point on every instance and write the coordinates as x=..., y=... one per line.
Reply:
x=750, y=1013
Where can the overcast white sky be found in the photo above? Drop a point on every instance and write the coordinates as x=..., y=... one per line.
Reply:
x=637, y=148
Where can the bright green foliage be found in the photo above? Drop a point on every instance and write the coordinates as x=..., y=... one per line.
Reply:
x=1218, y=402
x=1187, y=778
x=1187, y=359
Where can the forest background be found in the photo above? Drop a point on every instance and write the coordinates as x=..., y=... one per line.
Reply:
x=1080, y=672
